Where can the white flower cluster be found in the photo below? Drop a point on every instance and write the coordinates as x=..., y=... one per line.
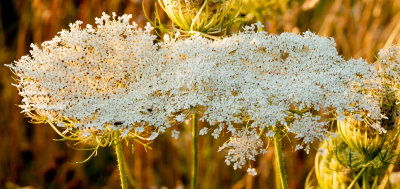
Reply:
x=115, y=76
x=315, y=128
x=175, y=134
x=242, y=146
x=252, y=74
x=93, y=76
x=389, y=67
x=252, y=171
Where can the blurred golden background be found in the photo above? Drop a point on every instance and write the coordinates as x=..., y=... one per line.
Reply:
x=30, y=158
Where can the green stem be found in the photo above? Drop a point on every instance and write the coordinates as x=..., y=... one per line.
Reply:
x=195, y=151
x=385, y=180
x=365, y=180
x=277, y=179
x=279, y=160
x=357, y=177
x=121, y=162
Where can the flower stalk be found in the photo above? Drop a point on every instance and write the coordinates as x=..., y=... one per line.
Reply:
x=357, y=177
x=365, y=180
x=121, y=161
x=279, y=160
x=195, y=150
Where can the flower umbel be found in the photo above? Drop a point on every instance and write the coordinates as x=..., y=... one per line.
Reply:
x=242, y=146
x=85, y=80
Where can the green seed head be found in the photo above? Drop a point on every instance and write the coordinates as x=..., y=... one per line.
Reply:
x=337, y=165
x=205, y=16
x=361, y=137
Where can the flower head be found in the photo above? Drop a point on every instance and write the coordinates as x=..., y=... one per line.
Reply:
x=242, y=146
x=252, y=171
x=88, y=80
x=115, y=77
x=389, y=72
x=261, y=79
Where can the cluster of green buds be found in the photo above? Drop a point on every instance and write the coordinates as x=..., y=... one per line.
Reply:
x=199, y=16
x=338, y=166
x=362, y=152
